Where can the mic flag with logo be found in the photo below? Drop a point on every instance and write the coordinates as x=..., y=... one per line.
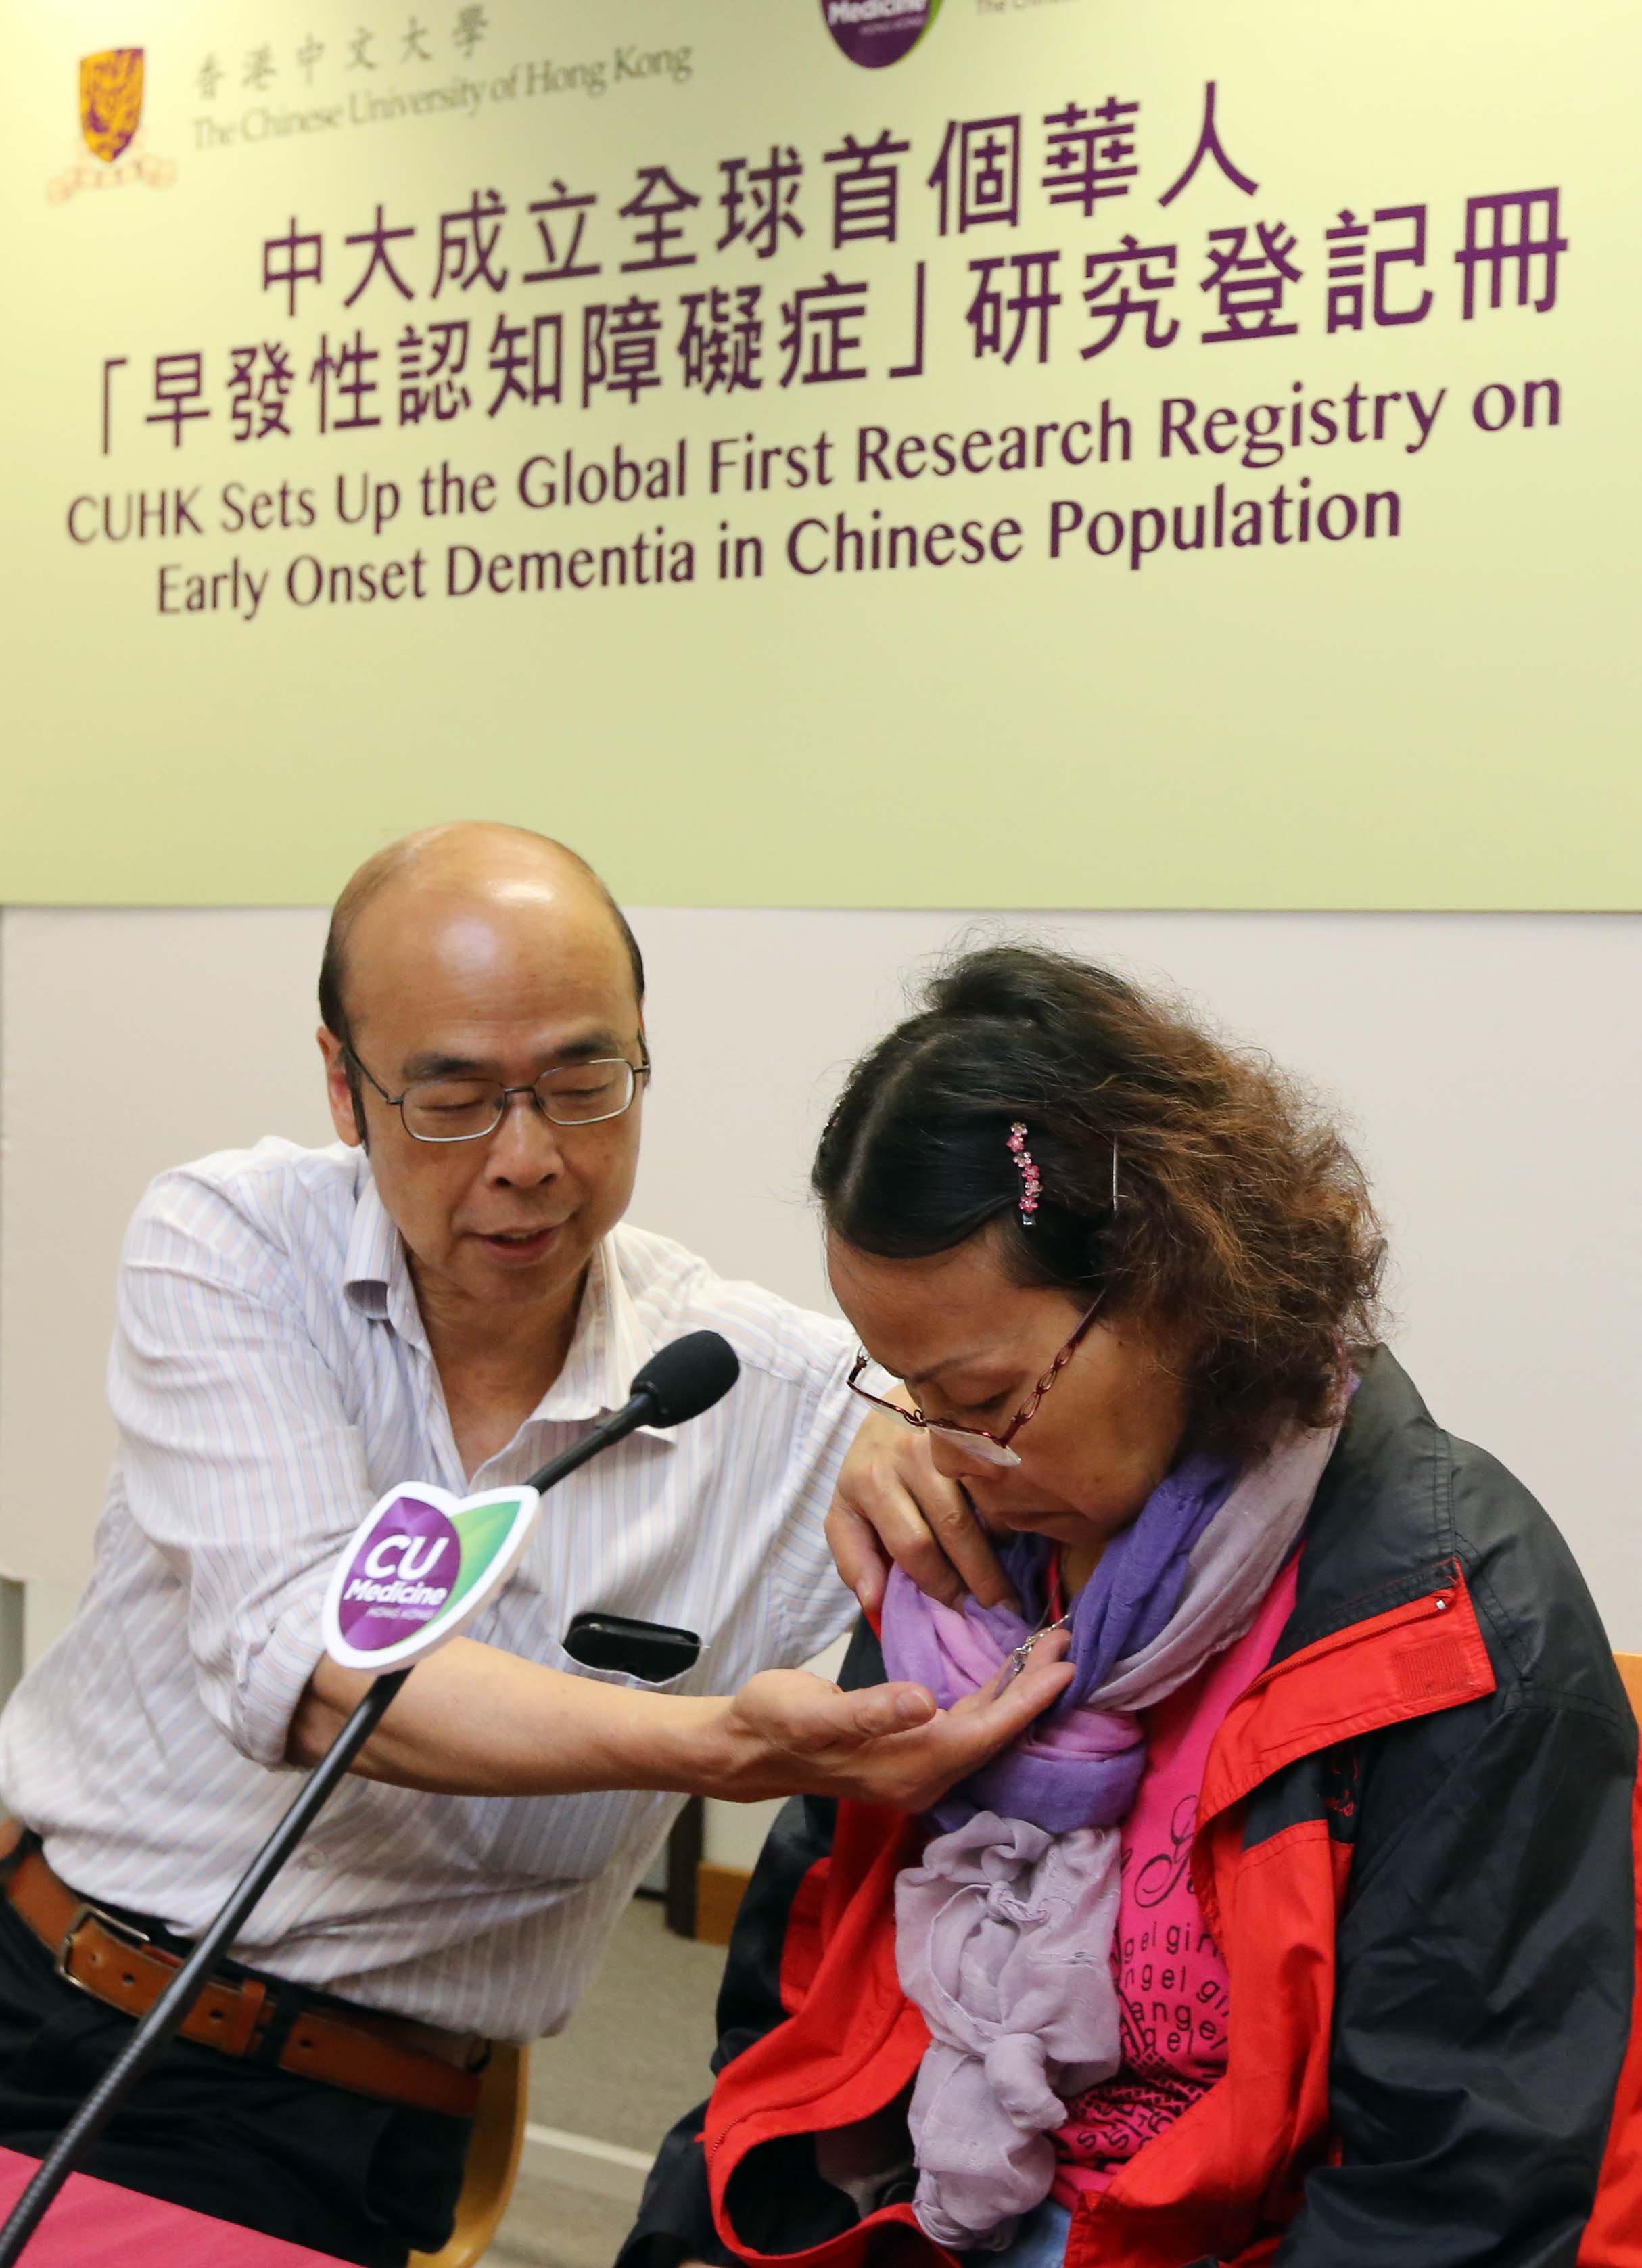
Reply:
x=423, y=1562
x=418, y=1570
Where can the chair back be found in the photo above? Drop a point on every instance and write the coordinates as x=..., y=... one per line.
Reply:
x=498, y=2136
x=1631, y=1677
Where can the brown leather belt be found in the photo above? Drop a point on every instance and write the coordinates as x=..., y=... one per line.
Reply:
x=391, y=2058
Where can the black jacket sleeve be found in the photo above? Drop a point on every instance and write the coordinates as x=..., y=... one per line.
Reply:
x=1484, y=1989
x=674, y=2219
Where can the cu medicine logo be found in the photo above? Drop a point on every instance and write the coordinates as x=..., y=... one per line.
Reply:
x=392, y=1572
x=110, y=111
x=873, y=32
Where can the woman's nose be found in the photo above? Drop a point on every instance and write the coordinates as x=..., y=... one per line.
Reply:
x=954, y=1460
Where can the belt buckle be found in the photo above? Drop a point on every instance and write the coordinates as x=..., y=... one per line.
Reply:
x=126, y=1932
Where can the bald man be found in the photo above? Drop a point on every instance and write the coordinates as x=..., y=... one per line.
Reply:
x=448, y=1293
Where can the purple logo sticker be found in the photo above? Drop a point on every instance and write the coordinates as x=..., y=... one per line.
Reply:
x=873, y=32
x=420, y=1566
x=400, y=1574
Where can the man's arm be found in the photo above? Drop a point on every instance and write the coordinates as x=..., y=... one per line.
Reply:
x=241, y=1462
x=473, y=1720
x=245, y=1472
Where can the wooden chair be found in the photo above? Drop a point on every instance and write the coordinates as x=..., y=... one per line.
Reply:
x=1630, y=1675
x=498, y=2136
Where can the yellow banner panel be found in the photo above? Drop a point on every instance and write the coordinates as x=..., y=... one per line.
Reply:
x=826, y=452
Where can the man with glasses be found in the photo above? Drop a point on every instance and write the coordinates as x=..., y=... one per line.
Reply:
x=449, y=1293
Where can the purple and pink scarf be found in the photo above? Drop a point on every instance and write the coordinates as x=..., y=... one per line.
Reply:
x=1003, y=1932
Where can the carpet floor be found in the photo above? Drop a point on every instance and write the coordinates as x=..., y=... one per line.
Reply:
x=631, y=2060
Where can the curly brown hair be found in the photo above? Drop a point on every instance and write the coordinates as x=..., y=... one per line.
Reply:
x=1243, y=1231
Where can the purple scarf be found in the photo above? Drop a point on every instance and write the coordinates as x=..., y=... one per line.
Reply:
x=1003, y=1932
x=1078, y=1767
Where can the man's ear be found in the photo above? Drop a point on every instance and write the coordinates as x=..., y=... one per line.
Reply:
x=341, y=1090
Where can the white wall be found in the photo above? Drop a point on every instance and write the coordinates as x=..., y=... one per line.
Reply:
x=1492, y=1066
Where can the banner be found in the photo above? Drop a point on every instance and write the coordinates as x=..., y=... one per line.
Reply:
x=974, y=452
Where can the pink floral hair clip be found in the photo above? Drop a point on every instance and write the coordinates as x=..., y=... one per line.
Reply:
x=1031, y=1179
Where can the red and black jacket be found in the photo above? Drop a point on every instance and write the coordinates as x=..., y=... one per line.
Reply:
x=1416, y=1846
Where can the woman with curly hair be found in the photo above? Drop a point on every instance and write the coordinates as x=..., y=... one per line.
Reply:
x=1302, y=1926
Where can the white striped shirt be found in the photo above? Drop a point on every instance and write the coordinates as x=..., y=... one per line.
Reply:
x=270, y=1377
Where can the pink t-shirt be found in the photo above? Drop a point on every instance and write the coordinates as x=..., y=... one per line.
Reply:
x=1172, y=1991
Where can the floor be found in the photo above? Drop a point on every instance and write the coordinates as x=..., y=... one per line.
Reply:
x=550, y=2227
x=633, y=2058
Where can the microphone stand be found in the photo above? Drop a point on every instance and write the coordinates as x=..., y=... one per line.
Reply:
x=673, y=1387
x=165, y=2017
x=167, y=2013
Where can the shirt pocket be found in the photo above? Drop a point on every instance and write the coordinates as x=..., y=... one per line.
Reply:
x=530, y=1619
x=691, y=1681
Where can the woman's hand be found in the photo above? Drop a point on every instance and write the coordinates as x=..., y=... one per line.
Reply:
x=891, y=1503
x=787, y=1731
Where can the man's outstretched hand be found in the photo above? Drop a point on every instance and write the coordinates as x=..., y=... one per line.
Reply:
x=787, y=1731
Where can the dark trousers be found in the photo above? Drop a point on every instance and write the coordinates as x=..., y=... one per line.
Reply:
x=360, y=2180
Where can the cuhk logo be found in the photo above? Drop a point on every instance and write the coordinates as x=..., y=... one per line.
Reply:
x=111, y=113
x=419, y=1568
x=111, y=100
x=873, y=32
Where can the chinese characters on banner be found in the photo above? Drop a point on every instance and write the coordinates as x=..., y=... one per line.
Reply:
x=256, y=68
x=572, y=294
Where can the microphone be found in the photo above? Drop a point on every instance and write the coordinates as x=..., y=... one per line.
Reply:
x=417, y=1569
x=683, y=1380
x=677, y=1384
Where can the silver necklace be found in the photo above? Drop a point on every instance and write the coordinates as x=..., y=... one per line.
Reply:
x=1018, y=1654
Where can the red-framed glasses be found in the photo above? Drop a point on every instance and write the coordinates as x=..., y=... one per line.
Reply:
x=976, y=1440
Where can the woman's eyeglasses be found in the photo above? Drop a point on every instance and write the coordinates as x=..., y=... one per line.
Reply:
x=976, y=1440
